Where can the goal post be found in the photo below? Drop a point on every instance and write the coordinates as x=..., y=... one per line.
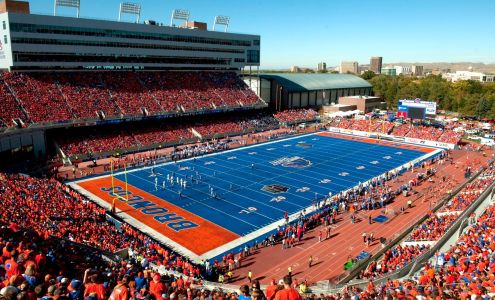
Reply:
x=116, y=196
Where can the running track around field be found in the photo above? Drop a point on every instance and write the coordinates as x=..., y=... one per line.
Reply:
x=346, y=240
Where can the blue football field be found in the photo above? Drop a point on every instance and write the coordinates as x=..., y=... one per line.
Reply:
x=248, y=188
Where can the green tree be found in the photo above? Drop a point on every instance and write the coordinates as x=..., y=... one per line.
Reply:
x=367, y=75
x=482, y=108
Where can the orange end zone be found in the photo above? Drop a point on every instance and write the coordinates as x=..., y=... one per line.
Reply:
x=190, y=231
x=379, y=142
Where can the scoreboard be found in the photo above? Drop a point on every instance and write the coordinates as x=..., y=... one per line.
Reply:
x=416, y=109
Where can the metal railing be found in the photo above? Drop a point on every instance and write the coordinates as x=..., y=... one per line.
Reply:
x=419, y=260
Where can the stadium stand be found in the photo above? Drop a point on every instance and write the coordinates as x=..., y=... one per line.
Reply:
x=114, y=138
x=445, y=135
x=96, y=140
x=424, y=132
x=39, y=96
x=162, y=134
x=465, y=271
x=401, y=129
x=213, y=128
x=73, y=96
x=51, y=209
x=129, y=93
x=470, y=192
x=450, y=136
x=84, y=92
x=432, y=229
x=10, y=108
x=393, y=259
x=295, y=115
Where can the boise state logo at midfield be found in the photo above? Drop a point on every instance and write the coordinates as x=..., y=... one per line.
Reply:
x=292, y=162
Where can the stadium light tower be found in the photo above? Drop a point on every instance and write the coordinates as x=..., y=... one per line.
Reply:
x=179, y=14
x=130, y=8
x=67, y=3
x=221, y=20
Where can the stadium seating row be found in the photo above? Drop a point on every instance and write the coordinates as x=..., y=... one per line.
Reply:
x=64, y=96
x=445, y=135
x=465, y=271
x=432, y=229
x=96, y=140
x=295, y=115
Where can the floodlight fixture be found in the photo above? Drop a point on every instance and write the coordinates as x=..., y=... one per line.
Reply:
x=130, y=8
x=179, y=14
x=221, y=20
x=66, y=3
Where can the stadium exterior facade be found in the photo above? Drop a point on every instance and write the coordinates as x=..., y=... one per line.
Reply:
x=287, y=91
x=32, y=42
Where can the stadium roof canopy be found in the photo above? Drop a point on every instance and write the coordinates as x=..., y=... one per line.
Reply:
x=312, y=82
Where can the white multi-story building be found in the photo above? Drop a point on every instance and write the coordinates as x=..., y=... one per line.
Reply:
x=468, y=75
x=402, y=70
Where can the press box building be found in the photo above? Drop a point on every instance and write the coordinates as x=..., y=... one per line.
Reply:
x=31, y=41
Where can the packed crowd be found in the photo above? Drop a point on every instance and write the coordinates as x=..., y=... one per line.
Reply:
x=465, y=271
x=94, y=141
x=52, y=241
x=471, y=192
x=445, y=135
x=450, y=136
x=432, y=229
x=401, y=129
x=85, y=94
x=467, y=268
x=48, y=97
x=101, y=139
x=38, y=268
x=369, y=125
x=10, y=108
x=296, y=115
x=51, y=209
x=424, y=132
x=213, y=128
x=39, y=96
x=129, y=93
x=393, y=259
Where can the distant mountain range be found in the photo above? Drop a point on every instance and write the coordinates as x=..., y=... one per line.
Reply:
x=457, y=66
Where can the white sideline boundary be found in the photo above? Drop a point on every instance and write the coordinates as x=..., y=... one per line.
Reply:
x=243, y=239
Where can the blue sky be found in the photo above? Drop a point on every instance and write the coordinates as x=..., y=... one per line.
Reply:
x=304, y=32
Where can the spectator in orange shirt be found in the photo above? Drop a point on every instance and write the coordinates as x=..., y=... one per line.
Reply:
x=120, y=291
x=270, y=290
x=92, y=287
x=157, y=288
x=288, y=293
